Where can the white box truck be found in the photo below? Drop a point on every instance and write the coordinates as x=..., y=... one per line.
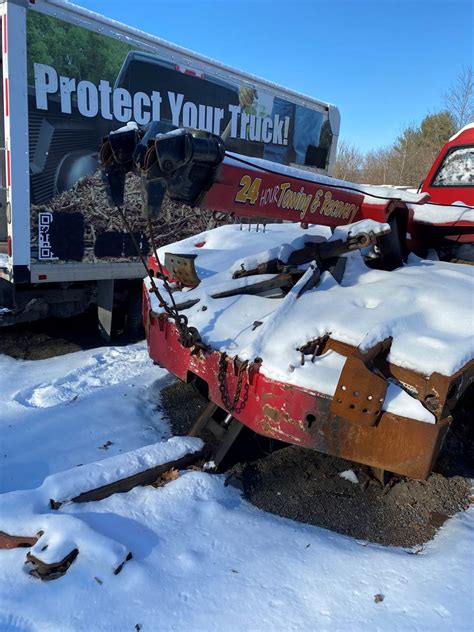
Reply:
x=70, y=76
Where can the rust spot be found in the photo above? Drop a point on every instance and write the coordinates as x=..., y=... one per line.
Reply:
x=271, y=412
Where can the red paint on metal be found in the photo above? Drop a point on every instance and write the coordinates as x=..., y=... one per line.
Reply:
x=279, y=196
x=297, y=415
x=7, y=104
x=449, y=194
x=9, y=246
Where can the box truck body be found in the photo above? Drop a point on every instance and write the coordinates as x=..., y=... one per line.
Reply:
x=71, y=76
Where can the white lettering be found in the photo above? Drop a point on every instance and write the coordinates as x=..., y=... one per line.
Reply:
x=105, y=91
x=92, y=100
x=87, y=99
x=244, y=121
x=46, y=82
x=122, y=105
x=278, y=131
x=267, y=126
x=66, y=86
x=140, y=101
x=156, y=106
x=218, y=116
x=176, y=103
x=234, y=113
x=255, y=128
x=190, y=115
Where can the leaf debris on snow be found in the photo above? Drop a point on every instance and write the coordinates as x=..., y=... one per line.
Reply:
x=106, y=445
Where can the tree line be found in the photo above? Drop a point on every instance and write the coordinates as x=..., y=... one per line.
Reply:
x=407, y=160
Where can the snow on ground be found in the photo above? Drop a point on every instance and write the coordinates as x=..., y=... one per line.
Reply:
x=57, y=413
x=203, y=558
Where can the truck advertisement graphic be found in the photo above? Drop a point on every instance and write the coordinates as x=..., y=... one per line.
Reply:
x=83, y=84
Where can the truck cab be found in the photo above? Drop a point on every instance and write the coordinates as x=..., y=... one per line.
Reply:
x=450, y=183
x=451, y=177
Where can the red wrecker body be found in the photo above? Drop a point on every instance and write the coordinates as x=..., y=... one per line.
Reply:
x=193, y=168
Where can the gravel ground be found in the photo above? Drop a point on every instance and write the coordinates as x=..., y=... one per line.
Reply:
x=53, y=337
x=305, y=485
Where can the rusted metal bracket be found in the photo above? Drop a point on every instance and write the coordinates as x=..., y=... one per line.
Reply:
x=53, y=570
x=8, y=541
x=181, y=267
x=360, y=392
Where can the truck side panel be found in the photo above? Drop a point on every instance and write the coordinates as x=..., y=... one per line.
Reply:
x=87, y=75
x=16, y=137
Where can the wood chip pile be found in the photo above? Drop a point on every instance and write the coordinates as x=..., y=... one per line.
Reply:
x=88, y=197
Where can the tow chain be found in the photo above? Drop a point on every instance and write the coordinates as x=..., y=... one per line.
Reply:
x=232, y=405
x=189, y=336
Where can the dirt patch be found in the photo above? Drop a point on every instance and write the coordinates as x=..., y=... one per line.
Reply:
x=182, y=405
x=307, y=486
x=51, y=337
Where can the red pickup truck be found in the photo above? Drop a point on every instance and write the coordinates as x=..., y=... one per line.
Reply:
x=450, y=182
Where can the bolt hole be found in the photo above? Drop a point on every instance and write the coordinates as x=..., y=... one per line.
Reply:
x=370, y=398
x=344, y=388
x=365, y=410
x=310, y=419
x=339, y=401
x=352, y=406
x=377, y=412
x=356, y=393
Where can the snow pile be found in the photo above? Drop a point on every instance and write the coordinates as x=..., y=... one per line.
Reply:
x=72, y=412
x=425, y=307
x=3, y=260
x=463, y=129
x=350, y=475
x=28, y=512
x=433, y=214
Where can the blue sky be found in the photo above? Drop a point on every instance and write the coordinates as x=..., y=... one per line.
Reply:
x=385, y=63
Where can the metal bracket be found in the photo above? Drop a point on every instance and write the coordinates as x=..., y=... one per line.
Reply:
x=181, y=267
x=360, y=393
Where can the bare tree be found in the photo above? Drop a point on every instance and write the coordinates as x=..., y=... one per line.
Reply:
x=348, y=162
x=460, y=98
